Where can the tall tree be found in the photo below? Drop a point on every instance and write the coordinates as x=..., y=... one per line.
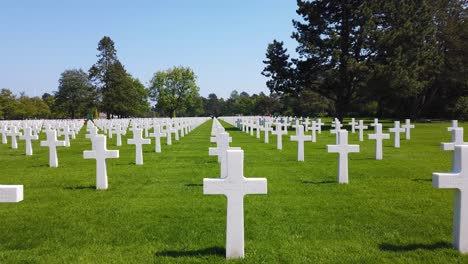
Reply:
x=278, y=69
x=76, y=95
x=100, y=73
x=173, y=90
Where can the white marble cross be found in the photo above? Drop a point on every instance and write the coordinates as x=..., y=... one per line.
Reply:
x=67, y=133
x=342, y=148
x=27, y=137
x=119, y=131
x=378, y=137
x=353, y=123
x=337, y=126
x=457, y=180
x=14, y=132
x=266, y=128
x=93, y=131
x=361, y=128
x=279, y=132
x=235, y=186
x=11, y=193
x=157, y=134
x=319, y=125
x=407, y=126
x=314, y=129
x=138, y=141
x=397, y=130
x=457, y=139
x=52, y=143
x=4, y=130
x=300, y=138
x=100, y=154
x=257, y=128
x=306, y=124
x=454, y=125
x=376, y=122
x=223, y=140
x=168, y=132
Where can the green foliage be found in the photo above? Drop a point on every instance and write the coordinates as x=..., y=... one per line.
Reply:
x=408, y=56
x=120, y=94
x=174, y=90
x=76, y=96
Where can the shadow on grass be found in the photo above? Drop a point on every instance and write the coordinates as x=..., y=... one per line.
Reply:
x=86, y=187
x=410, y=247
x=320, y=182
x=194, y=185
x=232, y=129
x=216, y=251
x=421, y=180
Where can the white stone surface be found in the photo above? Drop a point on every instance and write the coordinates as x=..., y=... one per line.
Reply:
x=407, y=126
x=13, y=133
x=378, y=136
x=361, y=128
x=342, y=148
x=235, y=186
x=27, y=137
x=396, y=129
x=457, y=180
x=157, y=134
x=11, y=193
x=454, y=125
x=279, y=132
x=300, y=138
x=353, y=124
x=100, y=154
x=52, y=143
x=138, y=141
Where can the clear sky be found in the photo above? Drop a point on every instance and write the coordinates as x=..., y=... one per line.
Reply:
x=223, y=41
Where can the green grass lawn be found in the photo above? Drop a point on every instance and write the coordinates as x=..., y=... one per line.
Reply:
x=157, y=213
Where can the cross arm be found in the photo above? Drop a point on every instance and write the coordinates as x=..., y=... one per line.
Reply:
x=448, y=181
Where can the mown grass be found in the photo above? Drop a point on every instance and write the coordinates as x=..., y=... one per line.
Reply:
x=157, y=213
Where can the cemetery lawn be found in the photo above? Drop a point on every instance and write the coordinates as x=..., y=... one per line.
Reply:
x=157, y=213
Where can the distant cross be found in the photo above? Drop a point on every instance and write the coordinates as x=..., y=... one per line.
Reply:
x=361, y=128
x=168, y=132
x=407, y=126
x=67, y=133
x=157, y=134
x=27, y=137
x=93, y=131
x=14, y=132
x=457, y=180
x=266, y=128
x=300, y=138
x=52, y=143
x=175, y=130
x=119, y=131
x=279, y=132
x=397, y=130
x=138, y=141
x=337, y=127
x=235, y=186
x=220, y=151
x=376, y=122
x=306, y=124
x=257, y=128
x=100, y=154
x=319, y=125
x=4, y=130
x=353, y=124
x=454, y=125
x=378, y=137
x=314, y=129
x=342, y=148
x=457, y=139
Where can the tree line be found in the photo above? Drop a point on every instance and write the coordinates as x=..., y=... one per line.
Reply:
x=393, y=58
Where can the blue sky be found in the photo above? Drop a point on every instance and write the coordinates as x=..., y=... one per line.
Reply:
x=224, y=42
